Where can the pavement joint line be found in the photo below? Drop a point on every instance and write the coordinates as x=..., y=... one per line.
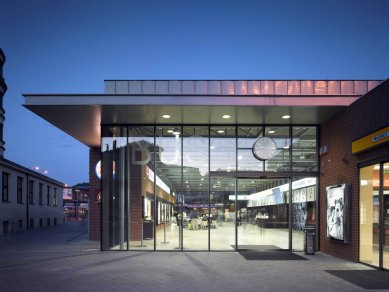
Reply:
x=24, y=264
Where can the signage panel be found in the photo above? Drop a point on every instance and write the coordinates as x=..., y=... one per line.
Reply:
x=372, y=140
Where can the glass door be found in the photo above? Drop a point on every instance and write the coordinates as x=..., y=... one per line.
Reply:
x=262, y=217
x=386, y=215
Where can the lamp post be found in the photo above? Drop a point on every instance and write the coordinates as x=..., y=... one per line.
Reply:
x=76, y=209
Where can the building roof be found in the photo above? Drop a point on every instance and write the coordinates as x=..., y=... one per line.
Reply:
x=18, y=167
x=194, y=102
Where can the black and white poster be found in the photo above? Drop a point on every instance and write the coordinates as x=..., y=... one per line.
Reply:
x=299, y=215
x=335, y=212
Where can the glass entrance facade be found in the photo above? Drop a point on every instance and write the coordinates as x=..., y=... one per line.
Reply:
x=374, y=215
x=201, y=187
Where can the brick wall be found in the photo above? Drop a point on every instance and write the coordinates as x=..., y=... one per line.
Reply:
x=136, y=199
x=368, y=114
x=95, y=189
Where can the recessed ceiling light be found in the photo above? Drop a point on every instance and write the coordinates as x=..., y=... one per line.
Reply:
x=170, y=131
x=285, y=117
x=271, y=131
x=220, y=131
x=212, y=147
x=226, y=116
x=176, y=133
x=166, y=116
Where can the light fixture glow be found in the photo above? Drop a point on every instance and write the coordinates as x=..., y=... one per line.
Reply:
x=176, y=133
x=271, y=131
x=286, y=117
x=166, y=116
x=226, y=116
x=220, y=131
x=170, y=131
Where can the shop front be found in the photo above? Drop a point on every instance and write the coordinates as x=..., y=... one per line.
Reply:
x=202, y=187
x=220, y=164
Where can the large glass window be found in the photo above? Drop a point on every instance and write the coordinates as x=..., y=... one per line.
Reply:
x=177, y=187
x=115, y=214
x=304, y=149
x=169, y=208
x=222, y=187
x=262, y=214
x=369, y=203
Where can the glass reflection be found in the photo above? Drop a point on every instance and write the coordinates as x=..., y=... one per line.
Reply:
x=176, y=188
x=369, y=215
x=262, y=214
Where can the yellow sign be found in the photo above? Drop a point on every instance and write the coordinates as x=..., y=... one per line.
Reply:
x=372, y=140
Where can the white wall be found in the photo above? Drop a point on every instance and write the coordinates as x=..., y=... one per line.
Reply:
x=13, y=212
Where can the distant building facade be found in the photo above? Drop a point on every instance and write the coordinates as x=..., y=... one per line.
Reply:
x=28, y=199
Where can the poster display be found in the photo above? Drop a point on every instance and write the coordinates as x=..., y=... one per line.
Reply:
x=337, y=212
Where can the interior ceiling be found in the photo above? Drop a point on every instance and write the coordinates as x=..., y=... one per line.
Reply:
x=83, y=121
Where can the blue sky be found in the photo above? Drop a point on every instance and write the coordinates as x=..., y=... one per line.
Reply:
x=71, y=46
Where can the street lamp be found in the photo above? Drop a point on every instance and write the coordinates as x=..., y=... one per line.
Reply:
x=76, y=209
x=38, y=169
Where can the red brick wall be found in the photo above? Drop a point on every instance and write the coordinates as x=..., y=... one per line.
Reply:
x=368, y=114
x=95, y=189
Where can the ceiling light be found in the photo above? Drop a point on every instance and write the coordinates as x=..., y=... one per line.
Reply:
x=220, y=131
x=170, y=131
x=226, y=116
x=166, y=116
x=212, y=147
x=271, y=131
x=176, y=133
x=286, y=117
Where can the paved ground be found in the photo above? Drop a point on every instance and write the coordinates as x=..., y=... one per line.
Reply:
x=62, y=259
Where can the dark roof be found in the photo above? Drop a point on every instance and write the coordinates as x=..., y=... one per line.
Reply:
x=31, y=172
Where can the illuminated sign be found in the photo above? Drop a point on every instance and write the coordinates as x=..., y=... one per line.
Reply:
x=160, y=182
x=372, y=140
x=98, y=169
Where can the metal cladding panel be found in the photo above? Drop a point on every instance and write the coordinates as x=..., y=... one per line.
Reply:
x=307, y=87
x=360, y=87
x=109, y=87
x=294, y=87
x=201, y=87
x=175, y=87
x=214, y=87
x=227, y=87
x=162, y=87
x=333, y=87
x=241, y=87
x=187, y=87
x=347, y=87
x=281, y=87
x=254, y=87
x=267, y=87
x=135, y=87
x=148, y=87
x=320, y=87
x=372, y=84
x=121, y=87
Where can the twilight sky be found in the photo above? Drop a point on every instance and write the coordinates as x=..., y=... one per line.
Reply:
x=71, y=46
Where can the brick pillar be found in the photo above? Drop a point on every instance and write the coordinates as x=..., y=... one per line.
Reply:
x=94, y=196
x=136, y=199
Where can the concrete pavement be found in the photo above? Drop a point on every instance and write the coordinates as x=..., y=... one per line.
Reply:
x=61, y=258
